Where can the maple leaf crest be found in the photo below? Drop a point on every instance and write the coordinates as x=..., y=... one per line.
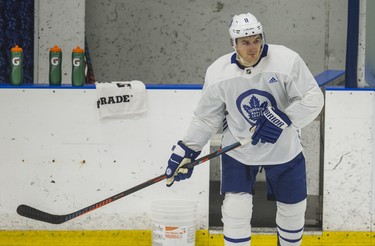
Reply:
x=254, y=108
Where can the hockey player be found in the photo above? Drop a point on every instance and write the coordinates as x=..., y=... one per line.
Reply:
x=265, y=90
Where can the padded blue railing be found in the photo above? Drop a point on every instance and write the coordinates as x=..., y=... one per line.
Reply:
x=325, y=78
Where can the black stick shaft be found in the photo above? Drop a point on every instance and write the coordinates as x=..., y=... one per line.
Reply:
x=33, y=213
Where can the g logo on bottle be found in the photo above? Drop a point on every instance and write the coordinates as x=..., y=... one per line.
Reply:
x=55, y=61
x=16, y=61
x=76, y=61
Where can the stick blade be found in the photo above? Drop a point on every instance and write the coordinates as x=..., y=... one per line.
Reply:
x=33, y=213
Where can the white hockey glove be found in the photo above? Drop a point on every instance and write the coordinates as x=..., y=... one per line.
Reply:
x=181, y=155
x=270, y=125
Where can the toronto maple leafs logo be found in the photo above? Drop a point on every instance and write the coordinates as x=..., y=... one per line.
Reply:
x=254, y=108
x=252, y=103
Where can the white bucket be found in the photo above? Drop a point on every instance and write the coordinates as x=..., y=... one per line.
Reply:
x=173, y=222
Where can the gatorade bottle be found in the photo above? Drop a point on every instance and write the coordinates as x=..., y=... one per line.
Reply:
x=55, y=59
x=78, y=67
x=16, y=75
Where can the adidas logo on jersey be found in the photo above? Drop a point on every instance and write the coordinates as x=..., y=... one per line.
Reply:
x=273, y=80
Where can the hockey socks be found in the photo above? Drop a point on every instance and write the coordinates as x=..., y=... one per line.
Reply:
x=290, y=220
x=236, y=211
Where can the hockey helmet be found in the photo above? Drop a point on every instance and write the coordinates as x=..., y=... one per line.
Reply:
x=244, y=25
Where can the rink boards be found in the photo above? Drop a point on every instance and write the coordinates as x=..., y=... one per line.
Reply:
x=58, y=156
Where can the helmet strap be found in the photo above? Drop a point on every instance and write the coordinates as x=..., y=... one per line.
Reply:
x=243, y=62
x=240, y=58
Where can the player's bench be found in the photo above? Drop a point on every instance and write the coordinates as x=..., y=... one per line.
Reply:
x=330, y=78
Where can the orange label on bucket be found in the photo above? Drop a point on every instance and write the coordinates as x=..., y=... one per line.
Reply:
x=175, y=232
x=173, y=235
x=170, y=228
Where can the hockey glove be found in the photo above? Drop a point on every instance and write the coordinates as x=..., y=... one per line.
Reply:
x=181, y=155
x=269, y=126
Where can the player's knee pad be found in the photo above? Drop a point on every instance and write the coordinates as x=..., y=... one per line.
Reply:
x=237, y=208
x=236, y=216
x=290, y=220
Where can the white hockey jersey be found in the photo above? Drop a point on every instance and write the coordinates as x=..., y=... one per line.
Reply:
x=236, y=97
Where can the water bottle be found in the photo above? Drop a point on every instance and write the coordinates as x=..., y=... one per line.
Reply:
x=16, y=75
x=55, y=59
x=78, y=67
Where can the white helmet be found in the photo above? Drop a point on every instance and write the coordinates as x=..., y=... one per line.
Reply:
x=244, y=25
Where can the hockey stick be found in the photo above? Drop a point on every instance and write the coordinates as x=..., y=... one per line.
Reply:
x=36, y=214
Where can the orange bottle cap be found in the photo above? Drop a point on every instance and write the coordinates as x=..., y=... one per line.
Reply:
x=16, y=49
x=55, y=49
x=78, y=50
